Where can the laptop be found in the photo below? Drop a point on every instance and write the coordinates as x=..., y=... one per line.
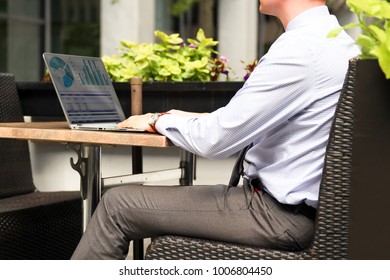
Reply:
x=85, y=92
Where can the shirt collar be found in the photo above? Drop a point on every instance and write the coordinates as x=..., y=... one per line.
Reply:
x=308, y=17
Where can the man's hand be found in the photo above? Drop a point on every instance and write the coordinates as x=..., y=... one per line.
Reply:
x=138, y=121
x=141, y=121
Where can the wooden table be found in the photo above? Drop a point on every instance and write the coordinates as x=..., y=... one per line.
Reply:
x=60, y=132
x=88, y=146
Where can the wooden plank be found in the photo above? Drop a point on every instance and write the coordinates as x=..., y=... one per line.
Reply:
x=60, y=132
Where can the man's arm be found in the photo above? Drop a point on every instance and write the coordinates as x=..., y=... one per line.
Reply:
x=143, y=121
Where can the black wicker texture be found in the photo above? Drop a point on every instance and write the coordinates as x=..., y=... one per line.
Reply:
x=16, y=176
x=330, y=240
x=33, y=224
x=50, y=231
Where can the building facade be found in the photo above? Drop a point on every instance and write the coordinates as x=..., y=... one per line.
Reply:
x=94, y=27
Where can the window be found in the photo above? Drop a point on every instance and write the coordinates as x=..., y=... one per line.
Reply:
x=200, y=14
x=21, y=25
x=27, y=29
x=76, y=27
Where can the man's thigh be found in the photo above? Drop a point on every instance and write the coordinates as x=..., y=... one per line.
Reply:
x=211, y=212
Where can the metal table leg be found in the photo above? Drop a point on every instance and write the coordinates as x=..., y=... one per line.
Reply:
x=88, y=165
x=138, y=244
x=188, y=168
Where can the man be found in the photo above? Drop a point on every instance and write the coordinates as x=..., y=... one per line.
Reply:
x=283, y=113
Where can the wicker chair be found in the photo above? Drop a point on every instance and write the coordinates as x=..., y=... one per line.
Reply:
x=331, y=234
x=33, y=224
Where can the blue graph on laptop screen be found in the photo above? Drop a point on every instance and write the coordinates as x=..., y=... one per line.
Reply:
x=84, y=88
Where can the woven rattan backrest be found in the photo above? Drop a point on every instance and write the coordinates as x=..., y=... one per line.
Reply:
x=15, y=166
x=332, y=225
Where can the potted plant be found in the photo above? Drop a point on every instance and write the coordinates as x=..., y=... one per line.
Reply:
x=374, y=22
x=188, y=75
x=370, y=180
x=171, y=59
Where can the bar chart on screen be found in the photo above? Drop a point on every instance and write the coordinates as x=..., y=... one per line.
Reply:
x=92, y=75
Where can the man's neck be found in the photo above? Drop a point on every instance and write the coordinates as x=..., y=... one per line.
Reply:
x=293, y=8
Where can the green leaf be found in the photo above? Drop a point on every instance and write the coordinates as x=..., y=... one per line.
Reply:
x=200, y=36
x=172, y=66
x=372, y=8
x=334, y=33
x=188, y=74
x=159, y=48
x=164, y=72
x=383, y=54
x=373, y=16
x=177, y=78
x=111, y=61
x=366, y=42
x=379, y=33
x=127, y=44
x=143, y=64
x=171, y=39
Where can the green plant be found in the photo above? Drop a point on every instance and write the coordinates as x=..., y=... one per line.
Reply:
x=171, y=59
x=373, y=19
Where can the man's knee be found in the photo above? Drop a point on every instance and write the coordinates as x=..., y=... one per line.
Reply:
x=111, y=197
x=122, y=196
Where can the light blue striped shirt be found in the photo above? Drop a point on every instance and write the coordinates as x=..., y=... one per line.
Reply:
x=285, y=108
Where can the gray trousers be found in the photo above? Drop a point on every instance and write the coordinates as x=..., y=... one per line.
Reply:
x=232, y=214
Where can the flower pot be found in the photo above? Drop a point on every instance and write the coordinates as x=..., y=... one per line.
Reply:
x=40, y=100
x=370, y=193
x=187, y=96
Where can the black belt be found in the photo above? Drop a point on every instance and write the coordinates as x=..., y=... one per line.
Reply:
x=303, y=208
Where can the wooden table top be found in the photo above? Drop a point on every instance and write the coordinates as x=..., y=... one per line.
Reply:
x=60, y=132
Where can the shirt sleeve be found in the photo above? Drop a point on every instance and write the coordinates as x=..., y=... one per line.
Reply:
x=278, y=89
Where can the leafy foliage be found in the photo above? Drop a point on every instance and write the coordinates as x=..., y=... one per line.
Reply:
x=373, y=19
x=171, y=59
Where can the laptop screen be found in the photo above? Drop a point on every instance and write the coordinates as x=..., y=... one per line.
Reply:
x=84, y=89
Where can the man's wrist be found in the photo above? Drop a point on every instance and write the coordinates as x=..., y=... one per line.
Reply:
x=153, y=120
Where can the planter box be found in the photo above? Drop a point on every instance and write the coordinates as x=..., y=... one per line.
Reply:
x=370, y=194
x=39, y=99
